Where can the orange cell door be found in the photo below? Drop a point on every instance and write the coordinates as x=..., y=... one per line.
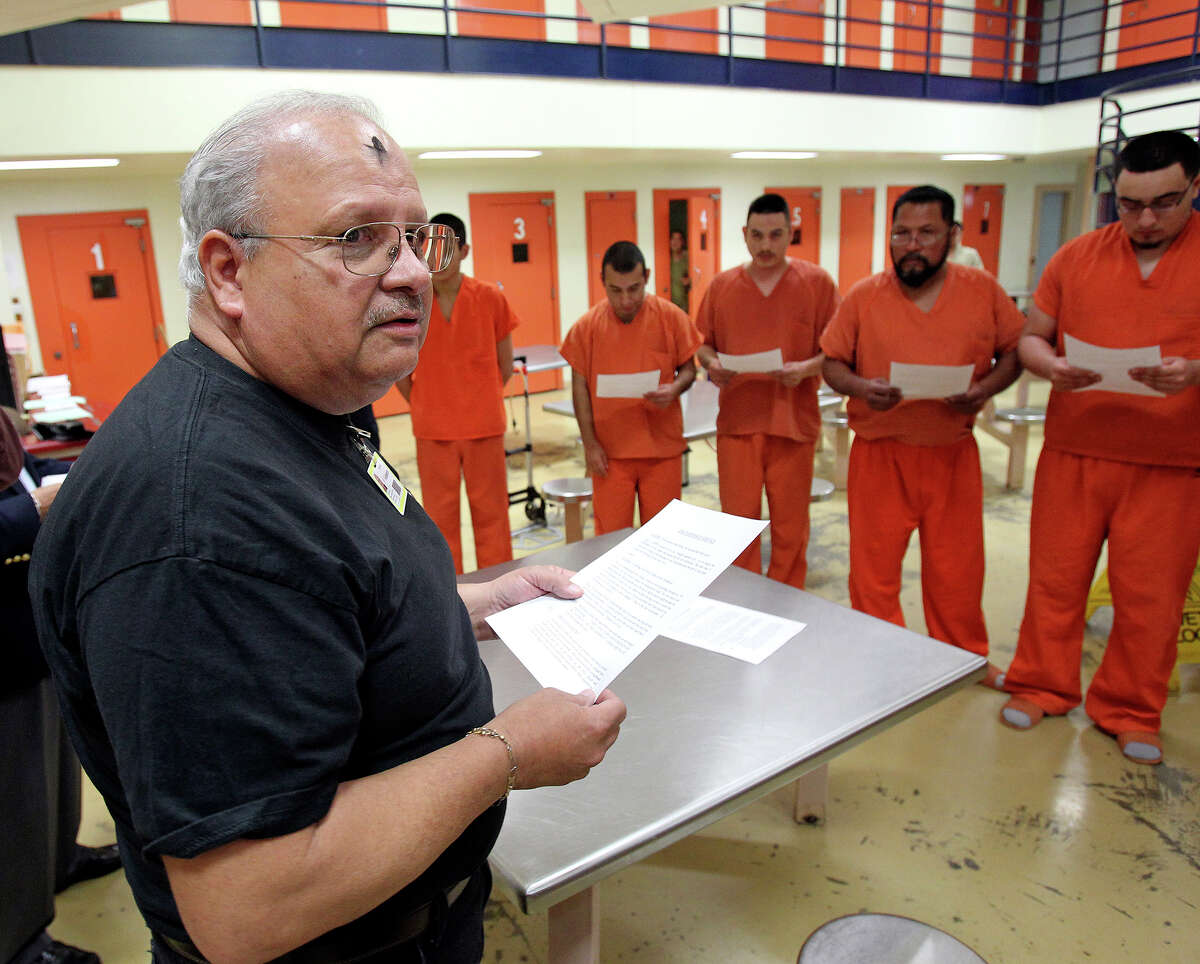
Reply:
x=893, y=195
x=610, y=216
x=514, y=246
x=982, y=218
x=615, y=34
x=704, y=240
x=686, y=40
x=918, y=28
x=857, y=236
x=1169, y=36
x=862, y=33
x=332, y=16
x=210, y=11
x=95, y=295
x=806, y=33
x=989, y=47
x=804, y=203
x=498, y=25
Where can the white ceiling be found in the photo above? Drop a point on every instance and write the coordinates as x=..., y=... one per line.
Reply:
x=17, y=15
x=605, y=11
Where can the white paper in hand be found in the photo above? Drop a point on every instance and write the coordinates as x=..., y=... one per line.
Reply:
x=631, y=593
x=1112, y=365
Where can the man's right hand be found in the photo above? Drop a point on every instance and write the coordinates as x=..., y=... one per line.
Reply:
x=1066, y=378
x=597, y=461
x=718, y=374
x=881, y=395
x=558, y=737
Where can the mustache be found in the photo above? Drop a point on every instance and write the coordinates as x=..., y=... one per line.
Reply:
x=401, y=304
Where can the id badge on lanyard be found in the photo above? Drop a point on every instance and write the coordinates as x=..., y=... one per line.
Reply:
x=380, y=472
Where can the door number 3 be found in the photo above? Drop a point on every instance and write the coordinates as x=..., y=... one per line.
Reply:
x=519, y=229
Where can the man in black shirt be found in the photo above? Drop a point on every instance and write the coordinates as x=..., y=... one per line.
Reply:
x=261, y=653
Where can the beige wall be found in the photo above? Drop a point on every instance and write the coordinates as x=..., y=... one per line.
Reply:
x=598, y=136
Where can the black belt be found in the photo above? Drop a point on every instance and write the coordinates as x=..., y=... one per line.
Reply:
x=328, y=949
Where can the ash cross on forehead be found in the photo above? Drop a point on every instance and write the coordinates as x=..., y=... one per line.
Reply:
x=377, y=146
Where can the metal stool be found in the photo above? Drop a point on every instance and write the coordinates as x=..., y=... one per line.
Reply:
x=883, y=939
x=571, y=494
x=821, y=490
x=1015, y=436
x=839, y=421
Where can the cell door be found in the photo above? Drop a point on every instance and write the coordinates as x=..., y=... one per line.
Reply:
x=918, y=28
x=610, y=216
x=982, y=217
x=704, y=240
x=1150, y=32
x=1051, y=208
x=95, y=297
x=795, y=30
x=701, y=39
x=990, y=46
x=332, y=16
x=893, y=195
x=499, y=25
x=862, y=33
x=513, y=246
x=804, y=205
x=857, y=237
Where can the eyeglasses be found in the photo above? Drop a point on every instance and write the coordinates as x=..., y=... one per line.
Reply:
x=371, y=249
x=925, y=237
x=1160, y=205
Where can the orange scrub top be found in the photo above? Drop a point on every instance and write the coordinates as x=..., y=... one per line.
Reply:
x=1093, y=288
x=456, y=387
x=660, y=337
x=735, y=319
x=971, y=322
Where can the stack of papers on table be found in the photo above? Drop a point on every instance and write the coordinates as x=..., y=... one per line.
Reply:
x=54, y=403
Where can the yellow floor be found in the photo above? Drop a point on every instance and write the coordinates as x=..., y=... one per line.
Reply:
x=1029, y=847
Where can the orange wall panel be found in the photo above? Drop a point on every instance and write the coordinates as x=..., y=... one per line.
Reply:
x=856, y=237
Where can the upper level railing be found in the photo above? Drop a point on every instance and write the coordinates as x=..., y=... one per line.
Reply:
x=955, y=49
x=1124, y=115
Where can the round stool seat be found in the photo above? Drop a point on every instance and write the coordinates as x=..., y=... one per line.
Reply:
x=835, y=416
x=568, y=490
x=1021, y=414
x=822, y=489
x=883, y=939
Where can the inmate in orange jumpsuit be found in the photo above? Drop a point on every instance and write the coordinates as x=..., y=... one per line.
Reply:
x=1115, y=466
x=916, y=466
x=766, y=433
x=643, y=443
x=458, y=420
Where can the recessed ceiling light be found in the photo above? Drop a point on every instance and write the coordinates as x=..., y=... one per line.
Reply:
x=974, y=157
x=773, y=155
x=58, y=163
x=468, y=155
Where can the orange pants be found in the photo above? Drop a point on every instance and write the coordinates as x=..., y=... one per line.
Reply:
x=1151, y=518
x=480, y=462
x=747, y=463
x=893, y=488
x=655, y=482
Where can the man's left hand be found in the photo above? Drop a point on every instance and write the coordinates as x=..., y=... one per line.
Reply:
x=792, y=373
x=662, y=396
x=969, y=402
x=1171, y=377
x=521, y=585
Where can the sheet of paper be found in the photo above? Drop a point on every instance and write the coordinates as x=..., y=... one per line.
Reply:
x=760, y=361
x=55, y=401
x=930, y=381
x=52, y=479
x=736, y=631
x=631, y=594
x=67, y=413
x=629, y=385
x=47, y=385
x=1113, y=364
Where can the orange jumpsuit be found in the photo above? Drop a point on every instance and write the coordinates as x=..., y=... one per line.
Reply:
x=643, y=443
x=1125, y=468
x=458, y=420
x=916, y=466
x=766, y=433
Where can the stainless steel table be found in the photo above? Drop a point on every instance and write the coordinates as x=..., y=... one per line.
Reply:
x=705, y=735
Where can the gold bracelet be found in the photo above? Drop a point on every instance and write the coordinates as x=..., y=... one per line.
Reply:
x=512, y=757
